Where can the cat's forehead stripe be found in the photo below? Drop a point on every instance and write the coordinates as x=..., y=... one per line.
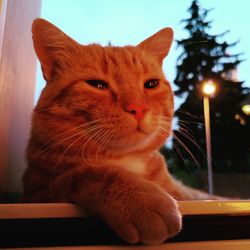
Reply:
x=124, y=58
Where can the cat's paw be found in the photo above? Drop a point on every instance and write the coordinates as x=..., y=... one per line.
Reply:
x=149, y=216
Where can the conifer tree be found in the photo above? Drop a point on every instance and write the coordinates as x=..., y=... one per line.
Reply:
x=205, y=56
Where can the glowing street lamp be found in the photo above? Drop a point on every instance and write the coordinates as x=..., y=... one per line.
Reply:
x=245, y=105
x=246, y=109
x=208, y=89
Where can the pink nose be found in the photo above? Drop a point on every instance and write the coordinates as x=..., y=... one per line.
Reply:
x=137, y=110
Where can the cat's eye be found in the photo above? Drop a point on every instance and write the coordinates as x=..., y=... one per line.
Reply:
x=152, y=83
x=98, y=84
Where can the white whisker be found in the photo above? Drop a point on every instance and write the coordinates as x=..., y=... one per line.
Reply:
x=185, y=147
x=53, y=143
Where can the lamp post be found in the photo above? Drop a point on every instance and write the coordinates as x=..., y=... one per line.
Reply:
x=208, y=89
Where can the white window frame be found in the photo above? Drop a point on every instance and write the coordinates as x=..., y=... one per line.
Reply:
x=17, y=86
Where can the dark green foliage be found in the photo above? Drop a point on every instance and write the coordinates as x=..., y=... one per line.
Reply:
x=203, y=57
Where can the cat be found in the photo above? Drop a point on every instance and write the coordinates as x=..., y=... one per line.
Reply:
x=96, y=131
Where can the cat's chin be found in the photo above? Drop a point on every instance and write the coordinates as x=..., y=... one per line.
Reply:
x=136, y=137
x=134, y=141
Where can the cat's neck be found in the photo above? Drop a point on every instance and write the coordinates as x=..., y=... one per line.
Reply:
x=134, y=163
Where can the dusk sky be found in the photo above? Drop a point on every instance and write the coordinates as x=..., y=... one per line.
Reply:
x=131, y=21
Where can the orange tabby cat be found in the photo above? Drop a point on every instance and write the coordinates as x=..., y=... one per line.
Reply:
x=97, y=128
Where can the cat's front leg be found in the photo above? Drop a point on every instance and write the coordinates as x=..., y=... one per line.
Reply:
x=145, y=214
x=138, y=210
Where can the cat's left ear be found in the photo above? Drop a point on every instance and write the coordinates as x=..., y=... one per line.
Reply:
x=158, y=44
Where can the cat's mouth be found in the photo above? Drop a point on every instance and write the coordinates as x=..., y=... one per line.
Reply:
x=140, y=130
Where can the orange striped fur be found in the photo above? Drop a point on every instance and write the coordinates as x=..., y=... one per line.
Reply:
x=96, y=143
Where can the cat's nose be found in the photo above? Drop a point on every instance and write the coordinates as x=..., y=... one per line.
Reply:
x=137, y=110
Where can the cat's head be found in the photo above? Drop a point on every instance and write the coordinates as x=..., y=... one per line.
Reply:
x=105, y=100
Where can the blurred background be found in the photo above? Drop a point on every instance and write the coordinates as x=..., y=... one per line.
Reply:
x=212, y=43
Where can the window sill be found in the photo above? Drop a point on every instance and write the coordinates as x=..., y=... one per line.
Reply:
x=59, y=224
x=203, y=245
x=65, y=210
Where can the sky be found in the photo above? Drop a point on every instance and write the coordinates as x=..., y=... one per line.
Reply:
x=124, y=22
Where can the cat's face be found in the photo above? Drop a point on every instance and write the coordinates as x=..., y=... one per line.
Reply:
x=105, y=99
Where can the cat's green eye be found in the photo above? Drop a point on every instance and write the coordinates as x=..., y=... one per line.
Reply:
x=152, y=83
x=98, y=84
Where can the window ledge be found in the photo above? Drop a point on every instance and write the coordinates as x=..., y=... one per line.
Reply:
x=61, y=224
x=65, y=210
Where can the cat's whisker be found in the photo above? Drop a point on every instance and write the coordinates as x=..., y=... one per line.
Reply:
x=87, y=131
x=81, y=133
x=54, y=145
x=166, y=119
x=166, y=126
x=102, y=143
x=190, y=122
x=91, y=137
x=93, y=149
x=51, y=143
x=188, y=114
x=61, y=156
x=183, y=125
x=185, y=162
x=188, y=165
x=86, y=124
x=163, y=130
x=191, y=140
x=100, y=146
x=187, y=134
x=87, y=149
x=111, y=137
x=187, y=129
x=186, y=148
x=114, y=141
x=165, y=122
x=178, y=151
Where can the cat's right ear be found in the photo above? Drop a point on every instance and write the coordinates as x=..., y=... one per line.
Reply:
x=52, y=46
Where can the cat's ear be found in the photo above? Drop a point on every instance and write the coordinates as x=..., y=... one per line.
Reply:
x=52, y=46
x=158, y=44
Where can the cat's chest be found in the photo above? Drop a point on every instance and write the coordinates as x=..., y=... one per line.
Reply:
x=132, y=163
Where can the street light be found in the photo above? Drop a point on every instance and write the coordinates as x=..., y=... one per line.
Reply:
x=246, y=109
x=246, y=105
x=208, y=89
